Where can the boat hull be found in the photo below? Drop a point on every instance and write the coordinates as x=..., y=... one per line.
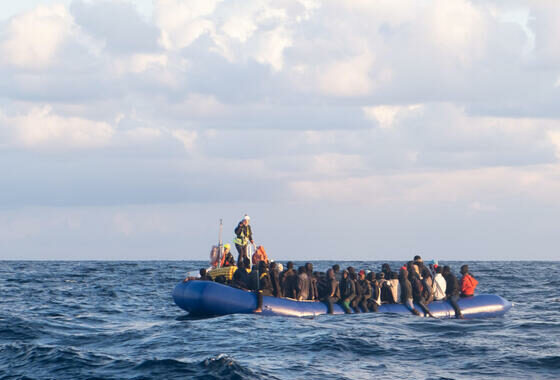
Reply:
x=206, y=298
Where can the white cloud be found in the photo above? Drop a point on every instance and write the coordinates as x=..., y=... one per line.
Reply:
x=187, y=138
x=41, y=128
x=271, y=47
x=33, y=38
x=385, y=115
x=347, y=77
x=181, y=22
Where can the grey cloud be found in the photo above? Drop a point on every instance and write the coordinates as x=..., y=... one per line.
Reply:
x=116, y=23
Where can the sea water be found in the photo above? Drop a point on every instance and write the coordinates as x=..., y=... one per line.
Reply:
x=117, y=320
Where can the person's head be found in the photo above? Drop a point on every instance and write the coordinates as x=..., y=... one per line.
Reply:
x=309, y=268
x=227, y=247
x=464, y=269
x=394, y=276
x=409, y=267
x=417, y=259
x=301, y=270
x=290, y=265
x=202, y=272
x=439, y=269
x=370, y=276
x=353, y=276
x=403, y=273
x=362, y=274
x=345, y=274
x=351, y=270
x=246, y=219
x=336, y=268
x=385, y=267
x=446, y=270
x=272, y=266
x=330, y=274
x=380, y=276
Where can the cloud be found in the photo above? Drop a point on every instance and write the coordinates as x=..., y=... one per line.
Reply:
x=117, y=24
x=448, y=105
x=34, y=38
x=40, y=128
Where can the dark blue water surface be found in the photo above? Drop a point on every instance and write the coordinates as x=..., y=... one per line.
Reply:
x=117, y=320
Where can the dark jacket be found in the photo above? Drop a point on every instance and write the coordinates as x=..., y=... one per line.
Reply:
x=289, y=284
x=332, y=289
x=244, y=230
x=417, y=288
x=265, y=284
x=241, y=278
x=452, y=285
x=253, y=280
x=406, y=289
x=275, y=279
x=366, y=290
x=347, y=289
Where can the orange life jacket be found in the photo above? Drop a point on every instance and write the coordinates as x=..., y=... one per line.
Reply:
x=260, y=255
x=468, y=285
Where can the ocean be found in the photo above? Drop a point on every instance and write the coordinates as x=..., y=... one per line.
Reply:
x=117, y=320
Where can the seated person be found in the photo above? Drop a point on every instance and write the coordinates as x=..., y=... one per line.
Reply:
x=204, y=276
x=260, y=255
x=241, y=277
x=227, y=258
x=468, y=283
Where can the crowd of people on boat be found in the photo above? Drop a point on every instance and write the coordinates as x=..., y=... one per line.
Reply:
x=415, y=283
x=354, y=290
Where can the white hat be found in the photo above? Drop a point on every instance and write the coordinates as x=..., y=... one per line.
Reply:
x=247, y=217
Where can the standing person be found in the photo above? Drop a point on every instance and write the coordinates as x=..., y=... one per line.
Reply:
x=332, y=291
x=452, y=291
x=468, y=282
x=244, y=236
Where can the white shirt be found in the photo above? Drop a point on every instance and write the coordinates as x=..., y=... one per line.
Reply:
x=439, y=286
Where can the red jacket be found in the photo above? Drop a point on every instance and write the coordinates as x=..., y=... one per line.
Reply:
x=468, y=285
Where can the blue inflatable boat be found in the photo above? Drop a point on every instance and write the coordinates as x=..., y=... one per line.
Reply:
x=206, y=298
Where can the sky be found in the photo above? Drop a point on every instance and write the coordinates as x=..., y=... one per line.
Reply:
x=347, y=130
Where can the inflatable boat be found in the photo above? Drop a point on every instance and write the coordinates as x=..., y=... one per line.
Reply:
x=206, y=298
